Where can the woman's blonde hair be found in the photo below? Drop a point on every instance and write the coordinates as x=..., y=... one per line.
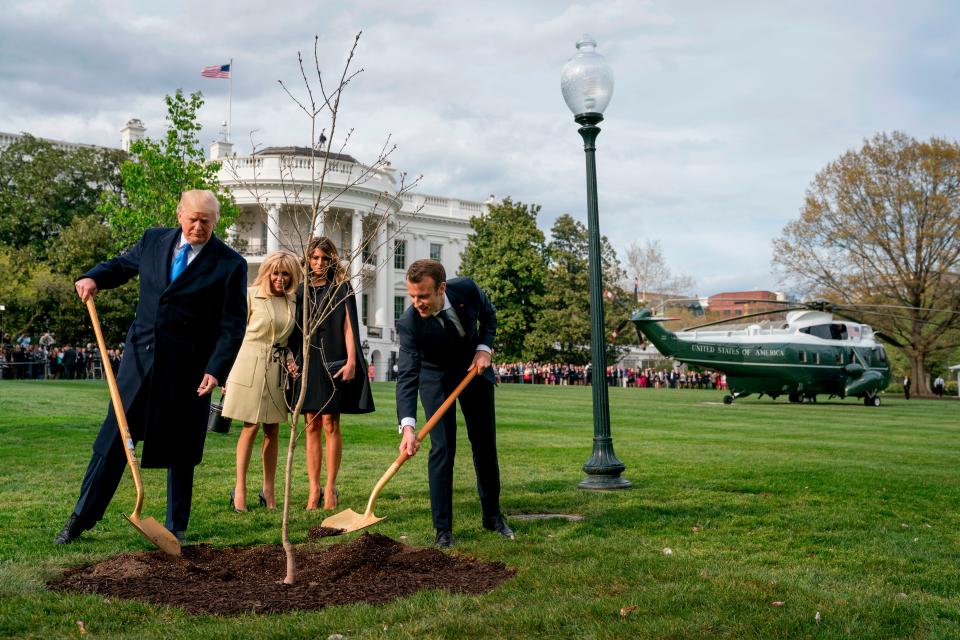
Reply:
x=274, y=262
x=327, y=245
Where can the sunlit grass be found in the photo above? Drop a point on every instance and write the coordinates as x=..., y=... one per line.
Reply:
x=831, y=508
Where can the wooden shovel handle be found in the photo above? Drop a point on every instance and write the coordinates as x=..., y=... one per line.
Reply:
x=431, y=423
x=435, y=418
x=117, y=408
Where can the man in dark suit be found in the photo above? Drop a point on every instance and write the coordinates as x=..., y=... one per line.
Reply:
x=69, y=362
x=186, y=334
x=448, y=330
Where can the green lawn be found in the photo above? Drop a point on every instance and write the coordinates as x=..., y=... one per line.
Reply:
x=831, y=508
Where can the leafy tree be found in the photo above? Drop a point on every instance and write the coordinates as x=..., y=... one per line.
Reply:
x=882, y=226
x=506, y=257
x=31, y=292
x=44, y=187
x=40, y=296
x=50, y=232
x=84, y=243
x=561, y=332
x=160, y=172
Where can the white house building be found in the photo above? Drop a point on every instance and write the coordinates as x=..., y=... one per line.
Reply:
x=380, y=231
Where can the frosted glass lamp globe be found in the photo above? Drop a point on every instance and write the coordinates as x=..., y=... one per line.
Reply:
x=586, y=80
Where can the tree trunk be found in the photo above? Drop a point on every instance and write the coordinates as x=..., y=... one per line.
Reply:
x=919, y=376
x=291, y=576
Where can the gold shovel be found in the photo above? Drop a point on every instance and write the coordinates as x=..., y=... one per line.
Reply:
x=350, y=520
x=150, y=528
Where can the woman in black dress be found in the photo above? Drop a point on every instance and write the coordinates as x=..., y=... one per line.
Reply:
x=336, y=372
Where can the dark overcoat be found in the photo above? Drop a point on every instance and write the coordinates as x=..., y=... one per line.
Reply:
x=182, y=330
x=324, y=394
x=431, y=365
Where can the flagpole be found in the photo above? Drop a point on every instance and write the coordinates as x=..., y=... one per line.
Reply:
x=230, y=103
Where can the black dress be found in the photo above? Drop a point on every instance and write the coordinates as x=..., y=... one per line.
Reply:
x=328, y=352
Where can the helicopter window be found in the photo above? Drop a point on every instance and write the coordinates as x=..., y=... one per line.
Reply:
x=803, y=356
x=838, y=331
x=839, y=358
x=823, y=331
x=816, y=358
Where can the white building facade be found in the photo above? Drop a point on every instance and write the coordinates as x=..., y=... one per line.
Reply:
x=379, y=230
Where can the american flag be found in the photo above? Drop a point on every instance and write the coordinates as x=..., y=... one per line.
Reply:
x=216, y=71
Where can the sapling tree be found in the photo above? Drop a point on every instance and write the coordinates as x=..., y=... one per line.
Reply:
x=312, y=183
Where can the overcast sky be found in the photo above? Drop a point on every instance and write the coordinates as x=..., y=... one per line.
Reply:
x=722, y=112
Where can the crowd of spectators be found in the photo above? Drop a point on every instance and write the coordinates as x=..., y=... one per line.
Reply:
x=575, y=375
x=22, y=358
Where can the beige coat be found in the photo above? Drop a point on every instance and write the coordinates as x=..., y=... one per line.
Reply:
x=255, y=384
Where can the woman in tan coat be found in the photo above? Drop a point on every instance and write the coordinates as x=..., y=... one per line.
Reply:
x=254, y=389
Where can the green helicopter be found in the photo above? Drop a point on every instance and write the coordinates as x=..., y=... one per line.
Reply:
x=811, y=353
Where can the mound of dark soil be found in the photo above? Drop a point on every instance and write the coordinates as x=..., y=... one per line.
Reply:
x=226, y=581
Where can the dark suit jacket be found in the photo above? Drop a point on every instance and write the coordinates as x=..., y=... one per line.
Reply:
x=426, y=361
x=182, y=330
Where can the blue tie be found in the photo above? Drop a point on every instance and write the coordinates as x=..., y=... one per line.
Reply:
x=180, y=262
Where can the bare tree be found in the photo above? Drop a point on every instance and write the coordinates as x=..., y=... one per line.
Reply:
x=881, y=226
x=311, y=204
x=648, y=272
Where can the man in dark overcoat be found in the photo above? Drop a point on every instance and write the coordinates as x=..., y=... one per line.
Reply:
x=188, y=328
x=449, y=329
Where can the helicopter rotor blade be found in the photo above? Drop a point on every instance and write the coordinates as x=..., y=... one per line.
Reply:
x=616, y=332
x=743, y=317
x=860, y=305
x=888, y=339
x=905, y=318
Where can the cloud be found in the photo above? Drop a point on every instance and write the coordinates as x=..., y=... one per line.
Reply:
x=722, y=113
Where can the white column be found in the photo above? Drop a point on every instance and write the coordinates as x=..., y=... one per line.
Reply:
x=273, y=228
x=383, y=302
x=356, y=260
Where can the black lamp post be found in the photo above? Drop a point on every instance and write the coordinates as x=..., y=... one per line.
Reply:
x=587, y=84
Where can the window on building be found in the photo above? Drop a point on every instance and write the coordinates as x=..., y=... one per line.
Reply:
x=263, y=237
x=436, y=251
x=399, y=254
x=365, y=309
x=399, y=306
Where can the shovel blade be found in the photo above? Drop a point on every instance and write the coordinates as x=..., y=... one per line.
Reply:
x=157, y=534
x=350, y=520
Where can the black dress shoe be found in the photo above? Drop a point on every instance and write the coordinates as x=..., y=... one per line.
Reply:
x=496, y=523
x=71, y=531
x=444, y=539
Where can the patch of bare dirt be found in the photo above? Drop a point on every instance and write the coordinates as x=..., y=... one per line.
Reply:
x=229, y=581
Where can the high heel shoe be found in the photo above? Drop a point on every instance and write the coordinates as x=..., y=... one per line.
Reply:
x=336, y=496
x=316, y=506
x=263, y=501
x=233, y=504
